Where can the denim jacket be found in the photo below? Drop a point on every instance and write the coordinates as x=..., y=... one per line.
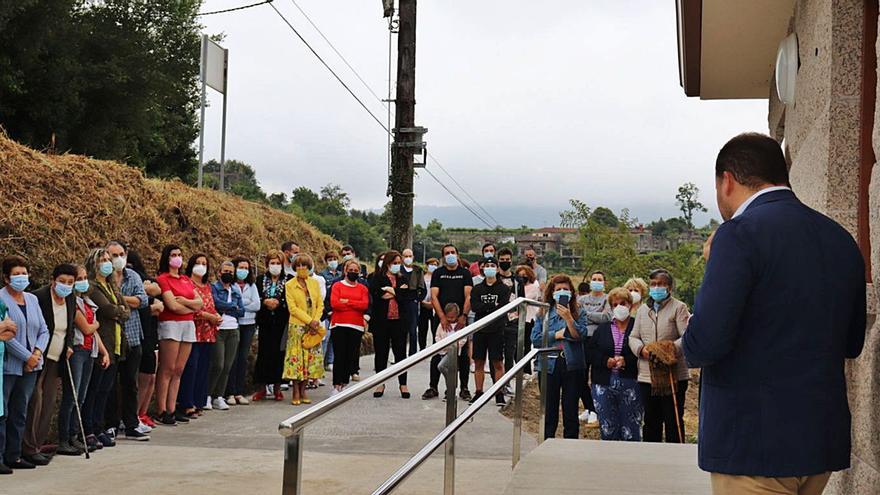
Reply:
x=234, y=308
x=572, y=348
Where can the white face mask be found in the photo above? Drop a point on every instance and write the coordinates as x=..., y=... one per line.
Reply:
x=408, y=261
x=431, y=268
x=637, y=296
x=199, y=270
x=621, y=313
x=119, y=263
x=275, y=270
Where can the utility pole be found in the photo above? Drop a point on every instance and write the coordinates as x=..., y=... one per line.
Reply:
x=407, y=137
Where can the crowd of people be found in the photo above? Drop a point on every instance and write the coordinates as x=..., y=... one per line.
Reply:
x=132, y=350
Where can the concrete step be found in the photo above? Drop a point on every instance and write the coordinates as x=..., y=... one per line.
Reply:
x=582, y=467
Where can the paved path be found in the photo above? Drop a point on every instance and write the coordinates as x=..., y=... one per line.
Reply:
x=569, y=467
x=351, y=450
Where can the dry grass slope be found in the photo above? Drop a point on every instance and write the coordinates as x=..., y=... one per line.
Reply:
x=54, y=208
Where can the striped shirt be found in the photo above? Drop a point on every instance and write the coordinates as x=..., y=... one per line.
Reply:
x=617, y=335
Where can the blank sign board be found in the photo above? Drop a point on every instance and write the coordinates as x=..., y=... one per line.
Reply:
x=214, y=60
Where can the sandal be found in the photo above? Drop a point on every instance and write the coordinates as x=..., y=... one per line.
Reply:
x=295, y=402
x=307, y=401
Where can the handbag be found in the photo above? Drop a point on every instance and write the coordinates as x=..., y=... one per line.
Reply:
x=311, y=340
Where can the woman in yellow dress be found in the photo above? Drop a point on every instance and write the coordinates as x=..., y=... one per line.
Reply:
x=306, y=306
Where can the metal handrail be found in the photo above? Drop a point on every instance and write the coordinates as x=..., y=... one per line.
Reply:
x=296, y=423
x=421, y=456
x=292, y=428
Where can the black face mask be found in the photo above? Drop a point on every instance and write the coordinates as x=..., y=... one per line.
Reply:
x=352, y=276
x=227, y=278
x=505, y=265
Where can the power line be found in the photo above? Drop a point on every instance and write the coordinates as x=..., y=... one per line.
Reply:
x=375, y=118
x=332, y=47
x=234, y=8
x=463, y=189
x=329, y=68
x=379, y=99
x=457, y=198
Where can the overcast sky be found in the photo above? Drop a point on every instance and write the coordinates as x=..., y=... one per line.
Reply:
x=527, y=107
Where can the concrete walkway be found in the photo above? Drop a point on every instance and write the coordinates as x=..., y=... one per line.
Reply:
x=568, y=467
x=351, y=450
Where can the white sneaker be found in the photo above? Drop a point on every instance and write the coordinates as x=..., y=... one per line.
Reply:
x=142, y=428
x=319, y=383
x=285, y=386
x=241, y=400
x=592, y=418
x=472, y=367
x=333, y=392
x=220, y=404
x=585, y=416
x=208, y=405
x=231, y=401
x=355, y=377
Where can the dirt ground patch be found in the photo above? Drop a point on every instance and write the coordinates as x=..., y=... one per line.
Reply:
x=532, y=411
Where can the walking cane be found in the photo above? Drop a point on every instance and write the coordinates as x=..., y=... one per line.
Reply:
x=78, y=412
x=675, y=406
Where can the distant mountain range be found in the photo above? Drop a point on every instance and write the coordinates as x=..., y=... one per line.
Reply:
x=538, y=216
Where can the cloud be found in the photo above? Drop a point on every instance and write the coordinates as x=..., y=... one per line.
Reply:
x=526, y=107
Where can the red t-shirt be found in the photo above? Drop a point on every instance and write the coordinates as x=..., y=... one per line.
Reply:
x=88, y=340
x=179, y=286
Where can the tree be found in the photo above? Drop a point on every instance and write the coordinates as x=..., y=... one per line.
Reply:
x=239, y=179
x=688, y=201
x=605, y=217
x=115, y=79
x=278, y=200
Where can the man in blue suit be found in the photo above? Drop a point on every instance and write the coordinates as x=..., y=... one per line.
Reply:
x=782, y=305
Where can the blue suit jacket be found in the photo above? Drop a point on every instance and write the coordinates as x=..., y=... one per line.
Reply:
x=781, y=306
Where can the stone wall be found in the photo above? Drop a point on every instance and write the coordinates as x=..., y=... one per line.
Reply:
x=821, y=137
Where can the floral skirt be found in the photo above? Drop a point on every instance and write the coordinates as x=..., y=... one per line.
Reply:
x=300, y=363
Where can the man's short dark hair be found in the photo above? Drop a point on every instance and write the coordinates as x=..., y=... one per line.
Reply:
x=505, y=252
x=487, y=245
x=448, y=245
x=348, y=248
x=288, y=245
x=665, y=275
x=583, y=287
x=65, y=269
x=754, y=160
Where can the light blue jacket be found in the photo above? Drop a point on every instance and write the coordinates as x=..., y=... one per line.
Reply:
x=32, y=333
x=571, y=346
x=250, y=299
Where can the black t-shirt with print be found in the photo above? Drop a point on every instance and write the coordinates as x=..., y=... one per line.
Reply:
x=451, y=284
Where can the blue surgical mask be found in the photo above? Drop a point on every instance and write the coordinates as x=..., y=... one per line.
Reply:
x=431, y=268
x=333, y=264
x=560, y=293
x=490, y=272
x=105, y=268
x=63, y=290
x=451, y=259
x=81, y=286
x=488, y=254
x=597, y=286
x=394, y=269
x=241, y=273
x=19, y=282
x=659, y=293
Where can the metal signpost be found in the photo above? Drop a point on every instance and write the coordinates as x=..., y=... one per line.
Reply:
x=213, y=73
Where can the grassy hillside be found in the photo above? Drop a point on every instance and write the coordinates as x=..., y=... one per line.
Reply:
x=54, y=208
